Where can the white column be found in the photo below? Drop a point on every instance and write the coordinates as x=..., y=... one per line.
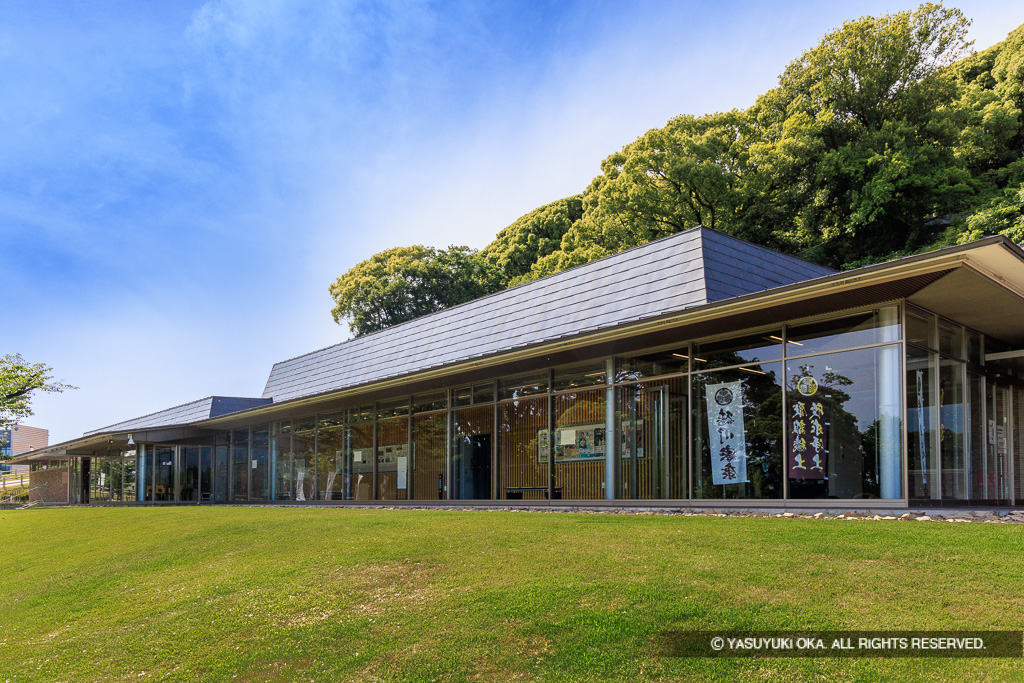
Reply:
x=890, y=401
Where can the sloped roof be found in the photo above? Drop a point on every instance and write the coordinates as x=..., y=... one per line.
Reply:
x=186, y=413
x=685, y=270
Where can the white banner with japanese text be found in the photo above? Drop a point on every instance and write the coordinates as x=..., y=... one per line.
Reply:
x=726, y=436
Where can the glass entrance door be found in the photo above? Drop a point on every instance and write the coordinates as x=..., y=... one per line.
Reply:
x=645, y=437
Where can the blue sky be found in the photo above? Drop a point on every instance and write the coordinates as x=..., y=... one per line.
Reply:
x=180, y=182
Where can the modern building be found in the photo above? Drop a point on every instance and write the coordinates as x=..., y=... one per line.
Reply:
x=698, y=369
x=17, y=439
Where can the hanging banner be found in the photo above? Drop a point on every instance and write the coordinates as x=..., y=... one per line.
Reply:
x=726, y=434
x=808, y=430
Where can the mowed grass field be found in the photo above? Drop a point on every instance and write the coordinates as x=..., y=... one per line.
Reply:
x=265, y=594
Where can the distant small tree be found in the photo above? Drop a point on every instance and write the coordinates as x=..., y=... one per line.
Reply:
x=18, y=380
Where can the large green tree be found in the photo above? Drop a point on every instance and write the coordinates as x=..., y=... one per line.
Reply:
x=404, y=283
x=19, y=379
x=539, y=233
x=887, y=138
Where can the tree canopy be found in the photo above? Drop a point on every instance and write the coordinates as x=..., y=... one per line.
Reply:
x=887, y=138
x=18, y=380
x=404, y=283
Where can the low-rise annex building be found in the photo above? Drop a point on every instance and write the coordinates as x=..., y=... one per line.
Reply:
x=696, y=369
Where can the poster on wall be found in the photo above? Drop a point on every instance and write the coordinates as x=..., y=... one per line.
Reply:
x=726, y=435
x=572, y=444
x=627, y=439
x=808, y=430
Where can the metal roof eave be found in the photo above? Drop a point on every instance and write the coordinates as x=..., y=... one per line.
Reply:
x=918, y=264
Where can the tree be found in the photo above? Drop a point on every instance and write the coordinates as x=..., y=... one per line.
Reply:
x=404, y=283
x=518, y=247
x=18, y=380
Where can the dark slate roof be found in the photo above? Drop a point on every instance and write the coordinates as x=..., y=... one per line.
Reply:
x=186, y=413
x=678, y=272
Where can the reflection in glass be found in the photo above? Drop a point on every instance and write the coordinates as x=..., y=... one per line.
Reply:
x=951, y=339
x=332, y=434
x=281, y=462
x=304, y=458
x=220, y=473
x=472, y=430
x=436, y=400
x=651, y=423
x=428, y=456
x=920, y=328
x=361, y=479
x=240, y=465
x=579, y=375
x=163, y=482
x=189, y=490
x=737, y=350
x=393, y=458
x=860, y=329
x=921, y=423
x=206, y=474
x=521, y=386
x=952, y=430
x=843, y=425
x=523, y=449
x=977, y=477
x=738, y=437
x=580, y=444
x=652, y=364
x=259, y=485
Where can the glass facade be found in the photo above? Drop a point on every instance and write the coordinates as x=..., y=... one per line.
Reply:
x=888, y=403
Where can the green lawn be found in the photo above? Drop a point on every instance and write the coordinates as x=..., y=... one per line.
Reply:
x=267, y=594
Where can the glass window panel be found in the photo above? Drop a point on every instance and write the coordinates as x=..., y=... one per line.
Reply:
x=304, y=458
x=974, y=353
x=523, y=449
x=282, y=481
x=189, y=487
x=437, y=400
x=749, y=349
x=843, y=425
x=462, y=396
x=361, y=479
x=472, y=434
x=920, y=328
x=523, y=385
x=386, y=409
x=221, y=472
x=976, y=428
x=861, y=329
x=163, y=484
x=206, y=474
x=951, y=339
x=652, y=364
x=1018, y=450
x=331, y=449
x=483, y=392
x=921, y=425
x=259, y=481
x=580, y=444
x=429, y=435
x=952, y=430
x=579, y=375
x=240, y=465
x=393, y=459
x=742, y=431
